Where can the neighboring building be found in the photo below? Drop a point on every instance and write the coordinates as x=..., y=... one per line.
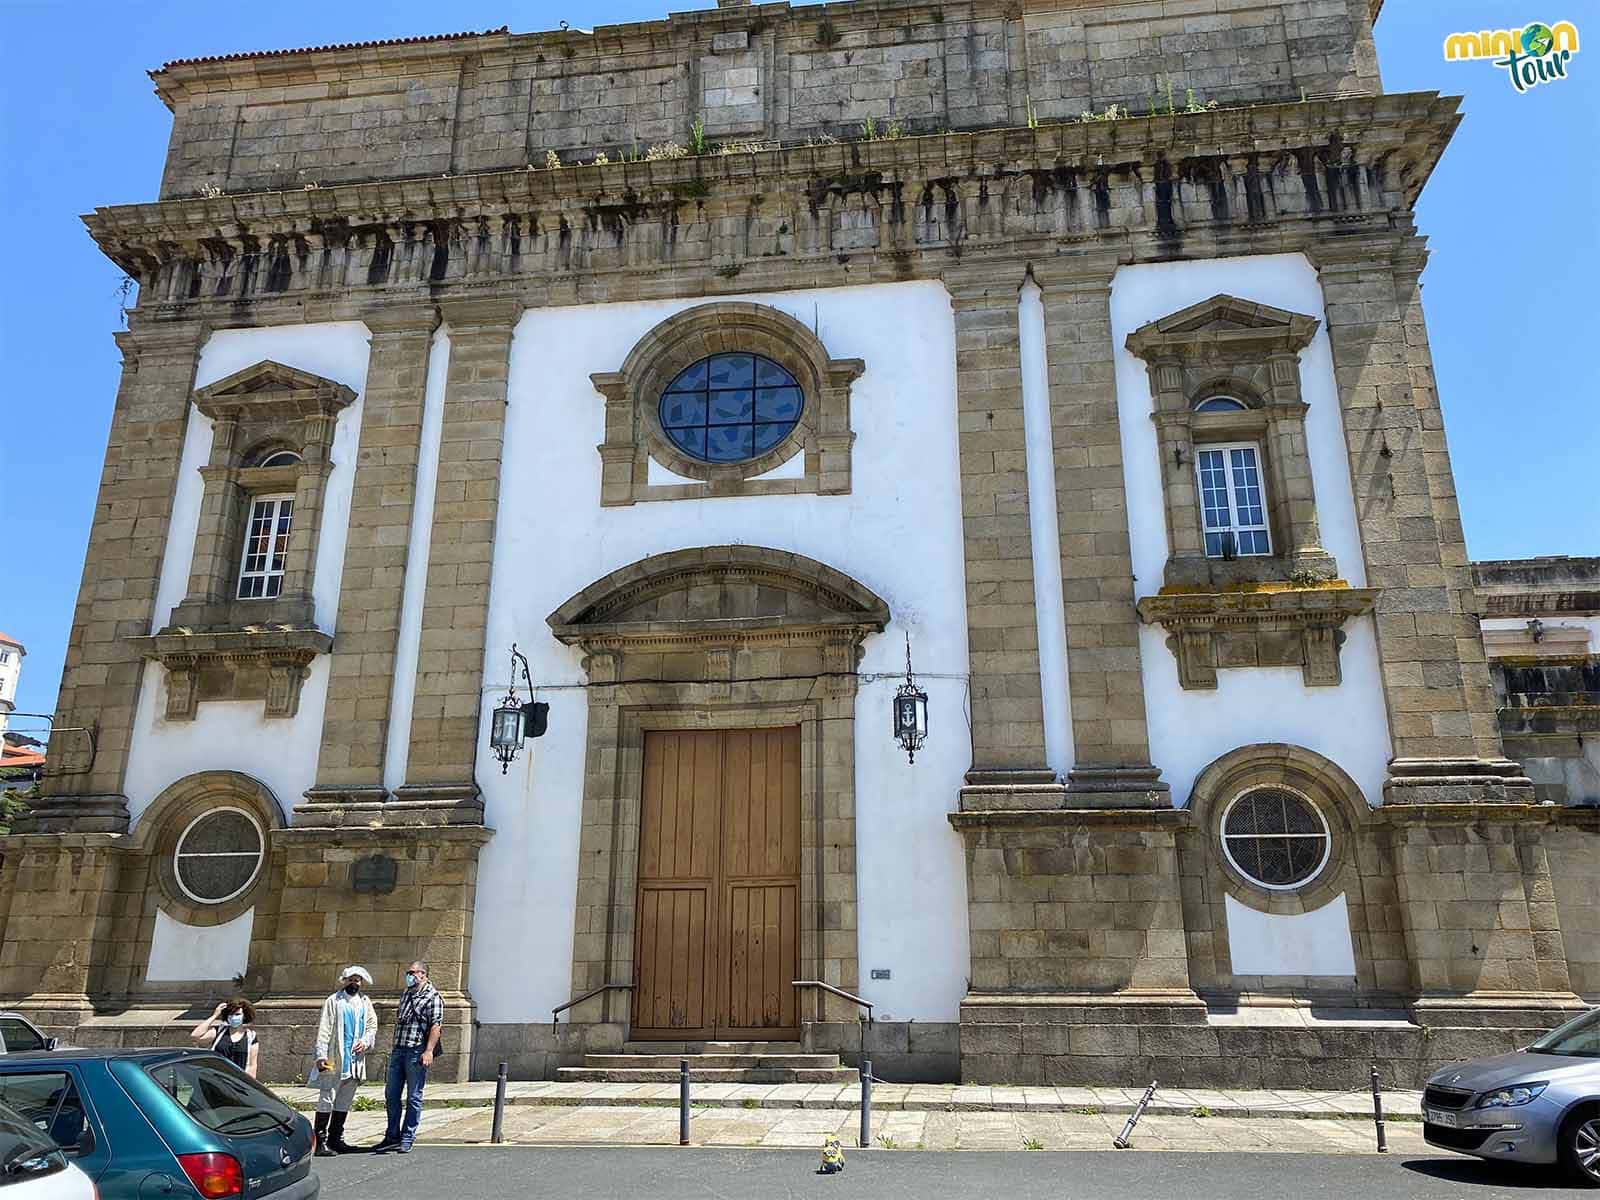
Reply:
x=1541, y=629
x=21, y=763
x=1127, y=427
x=11, y=656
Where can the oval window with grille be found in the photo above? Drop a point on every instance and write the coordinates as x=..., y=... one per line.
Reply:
x=218, y=855
x=730, y=408
x=1275, y=838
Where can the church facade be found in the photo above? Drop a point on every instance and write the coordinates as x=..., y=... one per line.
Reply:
x=713, y=386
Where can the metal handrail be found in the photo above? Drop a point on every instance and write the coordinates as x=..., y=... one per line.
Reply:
x=555, y=1013
x=839, y=992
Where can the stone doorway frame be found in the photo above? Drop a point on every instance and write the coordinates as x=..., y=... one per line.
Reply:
x=710, y=672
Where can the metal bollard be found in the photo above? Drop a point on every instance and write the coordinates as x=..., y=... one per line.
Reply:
x=1377, y=1111
x=1122, y=1139
x=497, y=1134
x=865, y=1139
x=683, y=1102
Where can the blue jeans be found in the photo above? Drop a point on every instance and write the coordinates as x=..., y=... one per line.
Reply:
x=405, y=1069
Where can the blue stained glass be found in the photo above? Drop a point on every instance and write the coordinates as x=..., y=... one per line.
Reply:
x=731, y=407
x=732, y=371
x=770, y=374
x=686, y=408
x=691, y=379
x=777, y=404
x=728, y=443
x=691, y=441
x=768, y=436
x=728, y=408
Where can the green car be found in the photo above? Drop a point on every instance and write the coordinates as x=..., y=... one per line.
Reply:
x=159, y=1124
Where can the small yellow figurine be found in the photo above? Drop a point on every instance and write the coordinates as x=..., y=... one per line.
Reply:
x=832, y=1156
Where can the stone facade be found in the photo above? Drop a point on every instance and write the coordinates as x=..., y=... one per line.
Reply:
x=406, y=186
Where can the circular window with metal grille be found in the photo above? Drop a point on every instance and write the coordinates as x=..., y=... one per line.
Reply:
x=730, y=407
x=1275, y=838
x=218, y=855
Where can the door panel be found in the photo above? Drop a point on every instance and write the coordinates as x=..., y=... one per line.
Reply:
x=718, y=938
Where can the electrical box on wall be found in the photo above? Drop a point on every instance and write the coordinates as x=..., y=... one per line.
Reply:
x=880, y=972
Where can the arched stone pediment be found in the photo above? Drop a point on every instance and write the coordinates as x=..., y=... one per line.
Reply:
x=726, y=590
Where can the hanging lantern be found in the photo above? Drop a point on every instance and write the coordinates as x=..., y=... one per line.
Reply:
x=910, y=712
x=514, y=721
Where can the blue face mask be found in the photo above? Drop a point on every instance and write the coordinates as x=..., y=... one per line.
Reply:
x=411, y=979
x=236, y=1019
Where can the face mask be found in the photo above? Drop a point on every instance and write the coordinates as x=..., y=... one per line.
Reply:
x=236, y=1019
x=411, y=979
x=352, y=988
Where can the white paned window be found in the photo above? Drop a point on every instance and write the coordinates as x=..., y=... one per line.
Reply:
x=266, y=545
x=1232, y=504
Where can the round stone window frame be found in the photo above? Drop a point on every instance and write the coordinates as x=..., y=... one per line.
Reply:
x=255, y=872
x=634, y=434
x=156, y=832
x=1319, y=781
x=1322, y=819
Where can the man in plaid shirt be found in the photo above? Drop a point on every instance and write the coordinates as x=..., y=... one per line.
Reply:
x=416, y=1035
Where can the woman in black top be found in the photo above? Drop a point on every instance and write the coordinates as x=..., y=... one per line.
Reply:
x=228, y=1032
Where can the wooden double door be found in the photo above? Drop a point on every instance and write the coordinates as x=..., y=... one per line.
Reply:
x=718, y=919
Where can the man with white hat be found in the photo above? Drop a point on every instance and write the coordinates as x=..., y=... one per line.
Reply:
x=347, y=1030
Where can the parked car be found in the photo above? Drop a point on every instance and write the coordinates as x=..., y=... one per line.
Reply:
x=32, y=1167
x=159, y=1124
x=1537, y=1105
x=18, y=1034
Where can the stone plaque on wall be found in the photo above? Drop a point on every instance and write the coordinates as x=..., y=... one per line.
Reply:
x=375, y=873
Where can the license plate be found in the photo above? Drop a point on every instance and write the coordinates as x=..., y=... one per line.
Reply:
x=1448, y=1119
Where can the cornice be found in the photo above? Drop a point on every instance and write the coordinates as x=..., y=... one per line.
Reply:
x=1100, y=193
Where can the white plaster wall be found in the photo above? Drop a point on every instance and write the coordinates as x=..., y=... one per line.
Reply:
x=1313, y=943
x=409, y=638
x=1048, y=602
x=180, y=952
x=1190, y=729
x=898, y=532
x=233, y=735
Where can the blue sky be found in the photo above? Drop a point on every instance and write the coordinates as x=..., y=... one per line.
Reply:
x=1510, y=214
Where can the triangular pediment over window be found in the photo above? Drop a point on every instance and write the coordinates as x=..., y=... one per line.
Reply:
x=270, y=390
x=1225, y=323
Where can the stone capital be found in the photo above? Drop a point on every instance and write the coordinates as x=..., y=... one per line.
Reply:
x=396, y=320
x=486, y=315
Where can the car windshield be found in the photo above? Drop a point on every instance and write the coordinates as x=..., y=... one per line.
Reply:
x=221, y=1097
x=1579, y=1038
x=26, y=1152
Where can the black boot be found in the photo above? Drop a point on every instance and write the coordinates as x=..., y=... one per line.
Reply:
x=336, y=1141
x=323, y=1149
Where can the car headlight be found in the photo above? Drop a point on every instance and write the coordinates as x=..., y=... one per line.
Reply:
x=1510, y=1097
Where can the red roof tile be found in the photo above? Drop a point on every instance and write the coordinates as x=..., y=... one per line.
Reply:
x=16, y=756
x=10, y=641
x=405, y=41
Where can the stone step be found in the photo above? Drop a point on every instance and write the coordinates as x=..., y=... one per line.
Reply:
x=841, y=1075
x=701, y=1062
x=682, y=1048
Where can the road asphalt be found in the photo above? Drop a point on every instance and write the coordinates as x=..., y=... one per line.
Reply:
x=699, y=1173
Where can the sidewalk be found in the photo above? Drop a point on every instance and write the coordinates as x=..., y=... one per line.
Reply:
x=905, y=1116
x=1398, y=1106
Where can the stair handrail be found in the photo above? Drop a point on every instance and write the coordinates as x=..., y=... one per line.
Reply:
x=555, y=1013
x=839, y=992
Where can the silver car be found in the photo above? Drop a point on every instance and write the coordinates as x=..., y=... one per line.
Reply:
x=1538, y=1105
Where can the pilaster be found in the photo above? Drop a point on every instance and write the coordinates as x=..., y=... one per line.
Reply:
x=1110, y=734
x=1435, y=675
x=1008, y=748
x=122, y=570
x=377, y=555
x=455, y=606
